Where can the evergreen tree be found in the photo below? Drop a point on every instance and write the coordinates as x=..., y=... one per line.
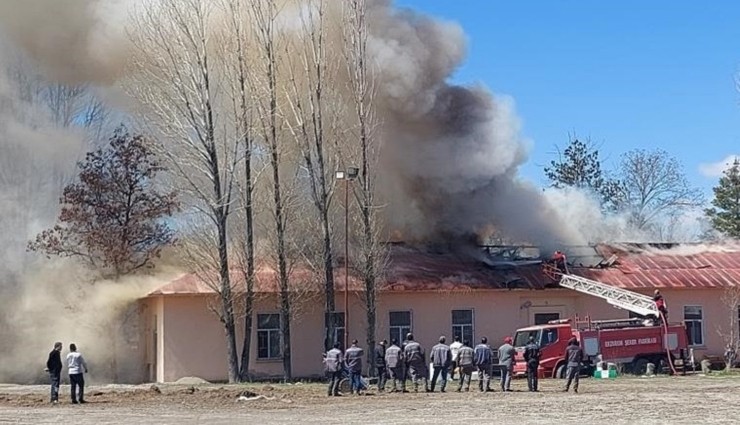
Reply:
x=580, y=166
x=725, y=213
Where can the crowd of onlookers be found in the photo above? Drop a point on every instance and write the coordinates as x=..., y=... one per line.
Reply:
x=397, y=363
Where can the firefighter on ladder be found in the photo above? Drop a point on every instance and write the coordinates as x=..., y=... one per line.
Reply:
x=660, y=304
x=558, y=260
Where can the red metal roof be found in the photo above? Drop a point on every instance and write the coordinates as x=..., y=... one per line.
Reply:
x=684, y=266
x=418, y=269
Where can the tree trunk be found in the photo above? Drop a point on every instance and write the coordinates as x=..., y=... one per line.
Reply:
x=330, y=304
x=227, y=301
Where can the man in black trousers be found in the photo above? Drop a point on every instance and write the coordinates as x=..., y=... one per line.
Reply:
x=54, y=367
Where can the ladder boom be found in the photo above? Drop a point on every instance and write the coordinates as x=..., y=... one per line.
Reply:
x=618, y=297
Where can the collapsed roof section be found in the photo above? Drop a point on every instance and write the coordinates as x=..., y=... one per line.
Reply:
x=437, y=268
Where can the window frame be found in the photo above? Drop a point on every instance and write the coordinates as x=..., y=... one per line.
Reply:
x=269, y=331
x=689, y=335
x=462, y=326
x=401, y=334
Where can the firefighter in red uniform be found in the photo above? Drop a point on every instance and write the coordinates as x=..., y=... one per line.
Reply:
x=660, y=303
x=559, y=259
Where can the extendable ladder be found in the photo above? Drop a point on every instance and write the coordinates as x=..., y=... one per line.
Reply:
x=618, y=297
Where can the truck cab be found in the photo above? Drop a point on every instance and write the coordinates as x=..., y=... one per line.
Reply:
x=552, y=338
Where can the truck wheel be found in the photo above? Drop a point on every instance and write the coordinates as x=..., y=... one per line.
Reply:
x=560, y=372
x=639, y=366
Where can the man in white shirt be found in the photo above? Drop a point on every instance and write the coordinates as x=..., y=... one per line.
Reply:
x=75, y=365
x=455, y=349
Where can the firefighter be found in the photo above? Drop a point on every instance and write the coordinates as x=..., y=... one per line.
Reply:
x=466, y=363
x=381, y=365
x=558, y=258
x=441, y=357
x=532, y=358
x=415, y=358
x=660, y=304
x=483, y=359
x=394, y=362
x=574, y=357
x=506, y=353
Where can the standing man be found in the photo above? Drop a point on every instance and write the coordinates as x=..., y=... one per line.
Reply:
x=466, y=363
x=333, y=362
x=394, y=362
x=574, y=357
x=660, y=304
x=353, y=359
x=441, y=358
x=532, y=358
x=54, y=367
x=75, y=366
x=483, y=358
x=381, y=365
x=413, y=352
x=454, y=349
x=506, y=354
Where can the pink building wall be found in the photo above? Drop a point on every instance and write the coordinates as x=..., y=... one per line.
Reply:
x=191, y=342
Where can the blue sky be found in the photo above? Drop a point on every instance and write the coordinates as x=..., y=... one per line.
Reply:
x=629, y=74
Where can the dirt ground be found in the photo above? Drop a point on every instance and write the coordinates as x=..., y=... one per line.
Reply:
x=690, y=399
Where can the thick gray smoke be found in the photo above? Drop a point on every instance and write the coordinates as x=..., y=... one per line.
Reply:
x=452, y=152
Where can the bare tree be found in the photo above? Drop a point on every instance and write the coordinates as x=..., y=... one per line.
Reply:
x=731, y=335
x=655, y=187
x=312, y=123
x=235, y=49
x=270, y=130
x=372, y=255
x=177, y=78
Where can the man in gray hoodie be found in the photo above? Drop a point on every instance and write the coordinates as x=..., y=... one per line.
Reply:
x=441, y=358
x=333, y=362
x=353, y=360
x=75, y=366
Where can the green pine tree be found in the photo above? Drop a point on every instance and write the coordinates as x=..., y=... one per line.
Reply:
x=725, y=213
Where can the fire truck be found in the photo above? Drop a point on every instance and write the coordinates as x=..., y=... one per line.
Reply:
x=631, y=343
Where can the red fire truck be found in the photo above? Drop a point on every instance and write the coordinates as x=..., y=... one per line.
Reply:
x=632, y=343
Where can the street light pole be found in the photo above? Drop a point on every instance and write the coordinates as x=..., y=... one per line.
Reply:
x=348, y=175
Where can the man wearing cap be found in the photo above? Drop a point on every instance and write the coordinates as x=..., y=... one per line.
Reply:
x=441, y=357
x=506, y=354
x=413, y=352
x=574, y=357
x=532, y=357
x=483, y=358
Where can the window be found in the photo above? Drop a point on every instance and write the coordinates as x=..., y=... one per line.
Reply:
x=337, y=318
x=543, y=318
x=268, y=336
x=462, y=325
x=548, y=337
x=400, y=324
x=692, y=316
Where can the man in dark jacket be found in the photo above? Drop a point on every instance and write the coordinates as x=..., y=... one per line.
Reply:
x=333, y=363
x=395, y=363
x=506, y=354
x=483, y=358
x=574, y=357
x=54, y=367
x=441, y=358
x=532, y=358
x=381, y=365
x=416, y=365
x=353, y=360
x=466, y=363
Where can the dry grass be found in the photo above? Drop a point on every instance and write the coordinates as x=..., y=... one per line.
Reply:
x=693, y=399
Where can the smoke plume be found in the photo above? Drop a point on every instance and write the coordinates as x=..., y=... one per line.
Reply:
x=449, y=164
